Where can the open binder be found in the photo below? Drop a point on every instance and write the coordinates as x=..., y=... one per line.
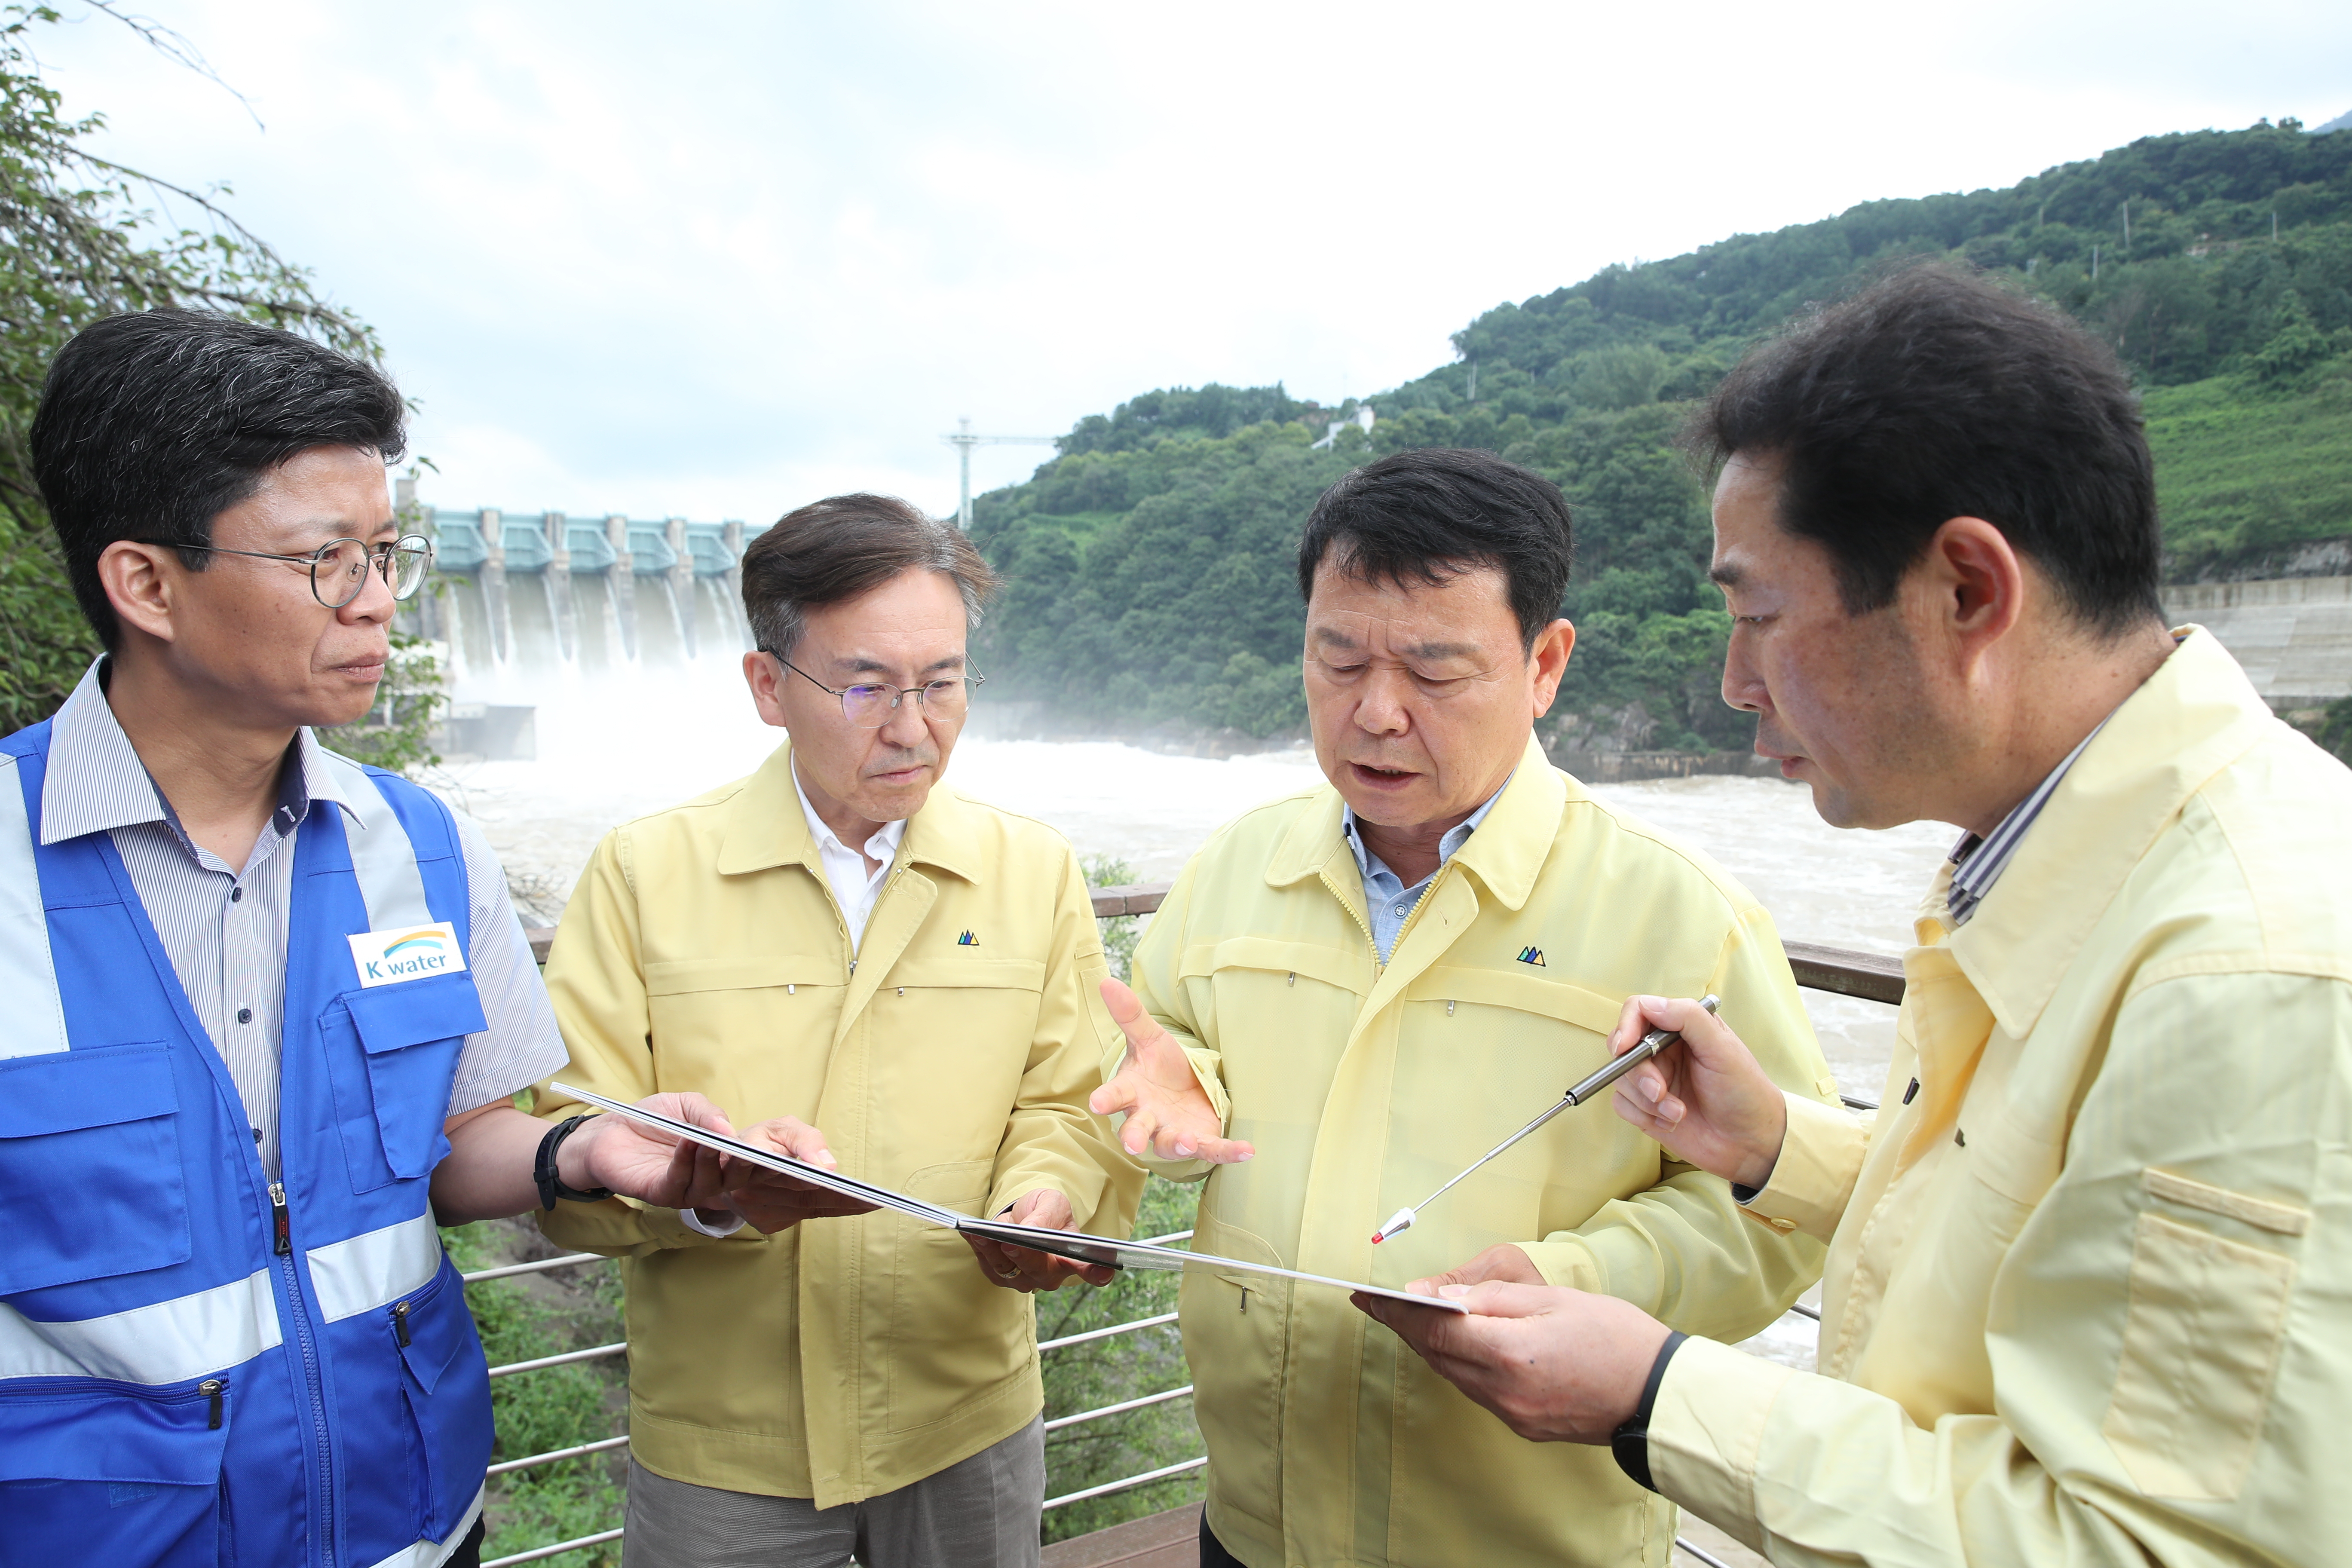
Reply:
x=1076, y=1245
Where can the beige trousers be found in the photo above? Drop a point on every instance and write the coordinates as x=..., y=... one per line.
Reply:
x=980, y=1513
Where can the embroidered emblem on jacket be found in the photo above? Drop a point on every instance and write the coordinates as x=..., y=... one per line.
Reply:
x=967, y=940
x=1532, y=956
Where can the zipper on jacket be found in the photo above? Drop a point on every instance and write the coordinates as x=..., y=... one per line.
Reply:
x=400, y=1323
x=307, y=1350
x=211, y=1388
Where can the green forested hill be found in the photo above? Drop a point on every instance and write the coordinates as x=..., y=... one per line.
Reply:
x=1150, y=562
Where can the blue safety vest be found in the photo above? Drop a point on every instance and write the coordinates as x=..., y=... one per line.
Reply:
x=195, y=1370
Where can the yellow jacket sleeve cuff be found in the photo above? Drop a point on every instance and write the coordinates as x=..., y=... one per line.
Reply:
x=1820, y=1159
x=1208, y=1067
x=1706, y=1430
x=1567, y=1260
x=622, y=1227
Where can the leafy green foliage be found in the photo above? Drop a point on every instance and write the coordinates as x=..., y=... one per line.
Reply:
x=555, y=1407
x=2334, y=730
x=1121, y=933
x=78, y=242
x=1149, y=564
x=2247, y=472
x=1112, y=1370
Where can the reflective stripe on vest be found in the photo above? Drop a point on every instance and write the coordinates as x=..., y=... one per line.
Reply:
x=349, y=1277
x=381, y=857
x=36, y=1019
x=433, y=1554
x=187, y=1336
x=207, y=1330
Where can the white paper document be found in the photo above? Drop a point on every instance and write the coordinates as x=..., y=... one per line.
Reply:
x=1071, y=1243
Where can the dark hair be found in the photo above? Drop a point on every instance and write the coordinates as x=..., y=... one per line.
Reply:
x=1936, y=394
x=151, y=425
x=834, y=549
x=1429, y=514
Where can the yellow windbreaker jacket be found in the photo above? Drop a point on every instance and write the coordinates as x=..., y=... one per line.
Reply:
x=703, y=950
x=2088, y=1300
x=1363, y=1086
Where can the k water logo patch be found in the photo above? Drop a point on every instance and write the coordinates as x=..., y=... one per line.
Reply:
x=413, y=952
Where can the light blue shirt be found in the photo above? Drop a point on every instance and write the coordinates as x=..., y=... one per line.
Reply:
x=1387, y=899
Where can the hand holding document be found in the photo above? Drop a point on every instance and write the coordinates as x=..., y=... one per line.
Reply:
x=1024, y=1269
x=769, y=1201
x=1075, y=1245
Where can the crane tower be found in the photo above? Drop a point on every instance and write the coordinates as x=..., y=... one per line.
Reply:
x=963, y=441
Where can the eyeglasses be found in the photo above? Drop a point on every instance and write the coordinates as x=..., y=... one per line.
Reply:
x=870, y=707
x=339, y=568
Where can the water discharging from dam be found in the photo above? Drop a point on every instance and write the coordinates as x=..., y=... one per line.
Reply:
x=617, y=740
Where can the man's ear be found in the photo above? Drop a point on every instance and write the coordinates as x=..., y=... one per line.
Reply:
x=1549, y=657
x=763, y=674
x=140, y=580
x=1975, y=584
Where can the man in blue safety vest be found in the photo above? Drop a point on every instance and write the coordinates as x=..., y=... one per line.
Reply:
x=265, y=1008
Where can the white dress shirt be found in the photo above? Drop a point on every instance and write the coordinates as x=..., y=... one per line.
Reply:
x=853, y=888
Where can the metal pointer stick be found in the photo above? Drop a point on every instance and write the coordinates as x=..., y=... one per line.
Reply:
x=1654, y=1042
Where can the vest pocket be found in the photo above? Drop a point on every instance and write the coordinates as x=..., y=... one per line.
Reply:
x=90, y=1166
x=445, y=1383
x=2201, y=1341
x=392, y=1054
x=93, y=1470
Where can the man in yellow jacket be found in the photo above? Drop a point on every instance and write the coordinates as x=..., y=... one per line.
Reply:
x=884, y=975
x=1351, y=994
x=2087, y=1301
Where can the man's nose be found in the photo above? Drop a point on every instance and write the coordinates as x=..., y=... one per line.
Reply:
x=904, y=726
x=1742, y=687
x=373, y=602
x=1382, y=709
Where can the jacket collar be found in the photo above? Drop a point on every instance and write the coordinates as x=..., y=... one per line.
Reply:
x=1506, y=853
x=2194, y=716
x=766, y=827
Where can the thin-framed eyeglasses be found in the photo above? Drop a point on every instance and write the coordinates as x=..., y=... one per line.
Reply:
x=869, y=707
x=339, y=568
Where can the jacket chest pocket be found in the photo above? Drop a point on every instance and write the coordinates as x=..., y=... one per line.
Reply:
x=956, y=1032
x=90, y=1166
x=1267, y=989
x=392, y=1052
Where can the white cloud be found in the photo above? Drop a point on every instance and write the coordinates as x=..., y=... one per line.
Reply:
x=722, y=260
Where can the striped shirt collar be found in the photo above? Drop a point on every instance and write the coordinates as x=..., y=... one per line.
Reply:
x=1978, y=862
x=95, y=781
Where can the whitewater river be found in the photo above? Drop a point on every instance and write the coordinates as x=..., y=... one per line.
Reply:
x=610, y=753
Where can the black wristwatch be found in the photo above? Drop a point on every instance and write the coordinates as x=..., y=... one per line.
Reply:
x=542, y=1169
x=1631, y=1442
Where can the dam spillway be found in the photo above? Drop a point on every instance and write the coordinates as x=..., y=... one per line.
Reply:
x=527, y=597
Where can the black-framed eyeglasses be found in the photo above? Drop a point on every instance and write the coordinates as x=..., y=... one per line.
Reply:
x=869, y=707
x=339, y=568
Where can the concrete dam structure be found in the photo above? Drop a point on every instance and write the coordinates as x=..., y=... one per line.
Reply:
x=532, y=595
x=2294, y=635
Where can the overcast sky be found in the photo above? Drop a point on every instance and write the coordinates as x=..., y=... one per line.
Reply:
x=720, y=260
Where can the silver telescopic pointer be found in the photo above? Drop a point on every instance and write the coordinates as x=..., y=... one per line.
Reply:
x=1654, y=1042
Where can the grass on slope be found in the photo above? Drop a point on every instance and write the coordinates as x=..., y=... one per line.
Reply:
x=2244, y=479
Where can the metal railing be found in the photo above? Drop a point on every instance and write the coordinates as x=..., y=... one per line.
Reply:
x=1843, y=971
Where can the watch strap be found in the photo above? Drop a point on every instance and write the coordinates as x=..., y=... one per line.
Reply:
x=542, y=1169
x=1631, y=1442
